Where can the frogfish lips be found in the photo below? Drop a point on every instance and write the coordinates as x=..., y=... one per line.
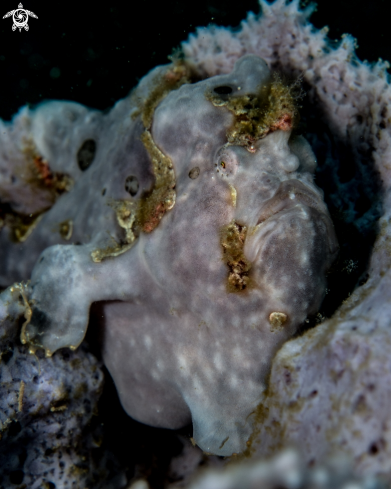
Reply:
x=295, y=217
x=289, y=194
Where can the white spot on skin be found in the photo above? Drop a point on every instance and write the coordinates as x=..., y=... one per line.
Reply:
x=237, y=352
x=197, y=385
x=292, y=195
x=305, y=214
x=155, y=374
x=147, y=342
x=236, y=321
x=218, y=361
x=209, y=374
x=183, y=364
x=304, y=258
x=291, y=163
x=160, y=365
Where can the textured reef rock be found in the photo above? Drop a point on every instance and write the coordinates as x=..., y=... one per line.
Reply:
x=48, y=437
x=204, y=239
x=285, y=470
x=189, y=213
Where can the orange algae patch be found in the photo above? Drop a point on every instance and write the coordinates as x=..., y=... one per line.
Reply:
x=58, y=182
x=36, y=173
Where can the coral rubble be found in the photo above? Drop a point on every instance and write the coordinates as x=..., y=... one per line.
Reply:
x=48, y=405
x=287, y=470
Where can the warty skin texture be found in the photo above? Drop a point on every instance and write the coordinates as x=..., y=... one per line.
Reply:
x=180, y=346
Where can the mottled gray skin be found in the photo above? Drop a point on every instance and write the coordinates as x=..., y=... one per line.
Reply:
x=179, y=346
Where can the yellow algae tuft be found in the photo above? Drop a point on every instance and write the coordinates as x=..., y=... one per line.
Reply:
x=27, y=312
x=55, y=409
x=126, y=217
x=66, y=229
x=234, y=194
x=20, y=396
x=232, y=238
x=277, y=321
x=21, y=225
x=155, y=203
x=146, y=213
x=116, y=249
x=255, y=115
x=176, y=75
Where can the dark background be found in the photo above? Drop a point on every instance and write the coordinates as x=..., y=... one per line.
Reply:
x=94, y=54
